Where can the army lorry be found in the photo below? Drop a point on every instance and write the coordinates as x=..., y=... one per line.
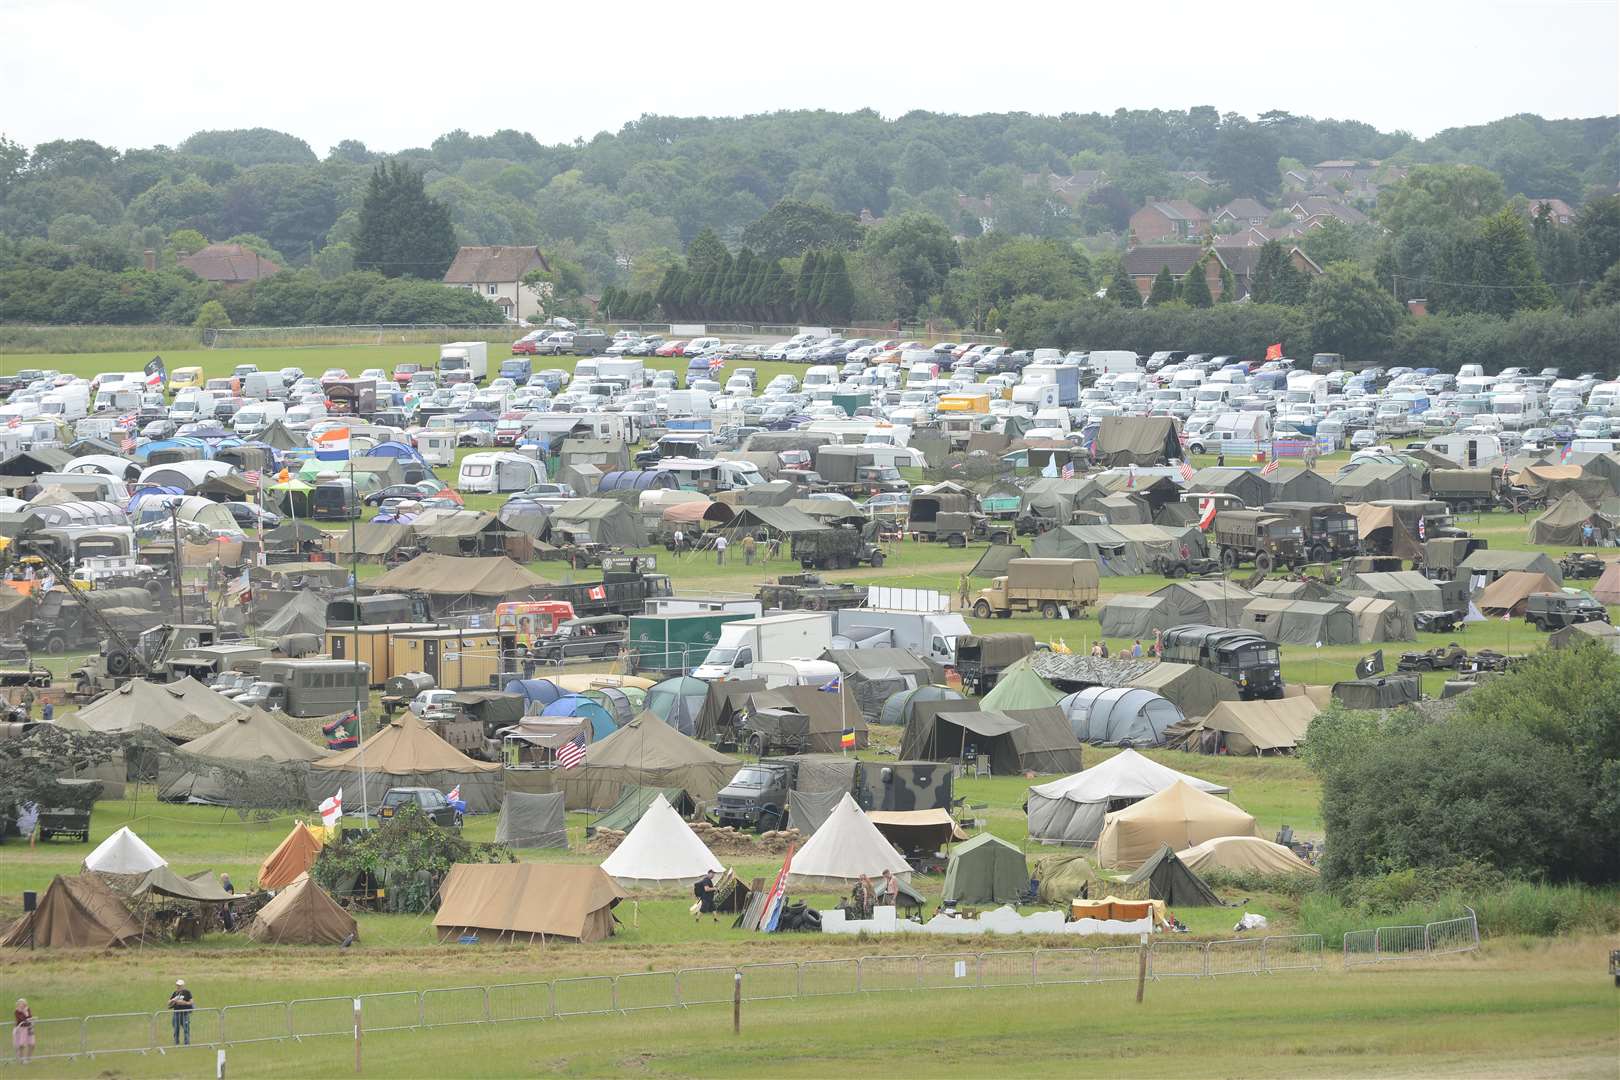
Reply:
x=1463, y=490
x=854, y=470
x=1328, y=530
x=1443, y=556
x=950, y=517
x=837, y=548
x=758, y=795
x=1049, y=586
x=981, y=658
x=1253, y=663
x=64, y=622
x=809, y=592
x=1256, y=536
x=163, y=653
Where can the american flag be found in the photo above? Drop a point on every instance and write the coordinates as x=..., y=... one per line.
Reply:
x=1068, y=470
x=572, y=752
x=128, y=445
x=1270, y=467
x=252, y=477
x=1187, y=472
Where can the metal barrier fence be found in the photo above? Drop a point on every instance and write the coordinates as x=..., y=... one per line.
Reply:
x=559, y=999
x=1442, y=938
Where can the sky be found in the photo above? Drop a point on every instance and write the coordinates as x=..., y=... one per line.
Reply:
x=398, y=74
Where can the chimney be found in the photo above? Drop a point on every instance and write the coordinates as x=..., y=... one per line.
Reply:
x=149, y=258
x=1418, y=308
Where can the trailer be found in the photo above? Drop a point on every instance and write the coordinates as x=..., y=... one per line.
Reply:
x=981, y=658
x=673, y=642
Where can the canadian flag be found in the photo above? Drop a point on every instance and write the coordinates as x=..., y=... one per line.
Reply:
x=597, y=592
x=332, y=809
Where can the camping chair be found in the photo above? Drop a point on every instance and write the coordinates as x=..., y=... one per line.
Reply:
x=981, y=766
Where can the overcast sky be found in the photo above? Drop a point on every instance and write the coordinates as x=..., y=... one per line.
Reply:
x=398, y=74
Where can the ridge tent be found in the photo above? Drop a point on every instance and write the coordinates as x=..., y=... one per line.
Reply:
x=123, y=853
x=643, y=753
x=1247, y=728
x=1127, y=615
x=1490, y=565
x=846, y=846
x=1021, y=740
x=1378, y=619
x=254, y=739
x=1607, y=589
x=1410, y=590
x=1192, y=689
x=1210, y=603
x=532, y=821
x=1020, y=688
x=1169, y=879
x=624, y=814
x=1299, y=485
x=292, y=858
x=1373, y=480
x=993, y=563
x=1244, y=854
x=75, y=913
x=524, y=901
x=1180, y=816
x=1136, y=440
x=598, y=521
x=305, y=613
x=1243, y=483
x=1299, y=622
x=457, y=583
x=405, y=753
x=1071, y=810
x=1508, y=593
x=827, y=714
x=1119, y=716
x=302, y=914
x=985, y=870
x=661, y=850
x=1378, y=692
x=1563, y=523
x=1282, y=589
x=873, y=675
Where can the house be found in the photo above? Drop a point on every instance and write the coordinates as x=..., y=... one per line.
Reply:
x=1557, y=209
x=1314, y=210
x=1241, y=212
x=1169, y=221
x=228, y=264
x=1072, y=189
x=1240, y=260
x=496, y=274
x=983, y=209
x=1144, y=263
x=1202, y=179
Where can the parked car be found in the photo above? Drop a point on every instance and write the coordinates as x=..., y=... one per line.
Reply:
x=430, y=802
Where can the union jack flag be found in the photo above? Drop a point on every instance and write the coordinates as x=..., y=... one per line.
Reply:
x=572, y=752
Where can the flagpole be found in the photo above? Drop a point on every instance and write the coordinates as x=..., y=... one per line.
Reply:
x=361, y=690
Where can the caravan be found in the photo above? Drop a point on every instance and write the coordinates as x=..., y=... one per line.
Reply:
x=498, y=471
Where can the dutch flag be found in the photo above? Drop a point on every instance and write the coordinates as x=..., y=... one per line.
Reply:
x=332, y=445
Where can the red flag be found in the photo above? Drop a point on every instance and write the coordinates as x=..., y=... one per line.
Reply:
x=1274, y=352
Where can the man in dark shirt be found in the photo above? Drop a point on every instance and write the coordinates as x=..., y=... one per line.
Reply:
x=180, y=1004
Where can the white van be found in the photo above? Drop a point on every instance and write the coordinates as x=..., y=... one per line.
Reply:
x=1112, y=360
x=819, y=376
x=1050, y=423
x=68, y=403
x=689, y=403
x=250, y=420
x=192, y=405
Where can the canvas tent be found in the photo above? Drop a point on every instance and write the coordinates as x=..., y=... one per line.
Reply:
x=305, y=613
x=204, y=769
x=1380, y=692
x=1244, y=854
x=985, y=870
x=1192, y=689
x=1378, y=619
x=1119, y=716
x=1607, y=589
x=292, y=858
x=598, y=521
x=1299, y=485
x=1243, y=483
x=643, y=753
x=456, y=583
x=1372, y=480
x=123, y=853
x=302, y=914
x=993, y=563
x=633, y=802
x=1020, y=688
x=1299, y=622
x=526, y=902
x=1071, y=810
x=1578, y=633
x=405, y=753
x=826, y=716
x=1127, y=615
x=1488, y=565
x=1023, y=740
x=1167, y=878
x=179, y=710
x=846, y=846
x=1136, y=440
x=924, y=831
x=1508, y=593
x=1410, y=590
x=1563, y=523
x=79, y=912
x=1180, y=816
x=661, y=850
x=1210, y=603
x=898, y=709
x=531, y=821
x=1248, y=727
x=872, y=675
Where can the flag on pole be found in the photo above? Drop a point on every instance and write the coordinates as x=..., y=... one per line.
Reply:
x=1068, y=470
x=332, y=445
x=156, y=374
x=127, y=445
x=252, y=477
x=454, y=794
x=1274, y=351
x=1269, y=467
x=1206, y=514
x=332, y=809
x=1187, y=472
x=572, y=752
x=847, y=739
x=833, y=687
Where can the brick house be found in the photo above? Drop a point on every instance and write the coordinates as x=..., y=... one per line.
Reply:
x=496, y=274
x=228, y=264
x=1562, y=213
x=1169, y=221
x=1241, y=260
x=1144, y=263
x=1241, y=212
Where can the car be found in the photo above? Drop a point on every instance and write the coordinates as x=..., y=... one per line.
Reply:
x=671, y=348
x=528, y=343
x=546, y=491
x=429, y=802
x=251, y=516
x=160, y=429
x=1363, y=439
x=398, y=491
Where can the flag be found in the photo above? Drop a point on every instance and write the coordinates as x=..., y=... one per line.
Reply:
x=1274, y=351
x=572, y=752
x=454, y=795
x=128, y=445
x=15, y=421
x=156, y=374
x=833, y=687
x=1564, y=457
x=1206, y=513
x=1422, y=529
x=847, y=740
x=127, y=419
x=597, y=592
x=283, y=476
x=242, y=582
x=1130, y=481
x=332, y=445
x=332, y=809
x=716, y=363
x=252, y=477
x=1187, y=472
x=1370, y=665
x=1269, y=467
x=1068, y=470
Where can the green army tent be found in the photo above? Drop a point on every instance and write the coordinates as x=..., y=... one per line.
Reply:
x=985, y=870
x=1168, y=879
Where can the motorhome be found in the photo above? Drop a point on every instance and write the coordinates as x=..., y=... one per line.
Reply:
x=1518, y=411
x=1305, y=387
x=1468, y=451
x=710, y=475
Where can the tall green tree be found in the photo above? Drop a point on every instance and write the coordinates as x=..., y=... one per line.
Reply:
x=807, y=287
x=1195, y=286
x=706, y=253
x=1494, y=271
x=838, y=293
x=920, y=251
x=1122, y=289
x=1351, y=314
x=1164, y=288
x=791, y=228
x=1598, y=228
x=403, y=231
x=1276, y=280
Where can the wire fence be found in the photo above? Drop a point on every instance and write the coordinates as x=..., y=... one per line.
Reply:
x=1412, y=942
x=601, y=995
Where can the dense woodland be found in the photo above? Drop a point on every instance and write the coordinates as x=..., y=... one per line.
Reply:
x=754, y=219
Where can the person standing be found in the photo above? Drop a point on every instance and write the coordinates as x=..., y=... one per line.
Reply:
x=719, y=551
x=181, y=1004
x=891, y=888
x=22, y=1035
x=964, y=589
x=48, y=711
x=1136, y=648
x=680, y=540
x=226, y=915
x=749, y=545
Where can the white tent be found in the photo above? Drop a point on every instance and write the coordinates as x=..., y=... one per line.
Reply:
x=123, y=853
x=661, y=850
x=846, y=846
x=1071, y=810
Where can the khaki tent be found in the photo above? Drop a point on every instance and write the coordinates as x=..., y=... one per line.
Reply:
x=459, y=583
x=1072, y=810
x=917, y=830
x=527, y=901
x=1244, y=854
x=1563, y=524
x=1064, y=878
x=1250, y=727
x=993, y=563
x=1299, y=589
x=872, y=675
x=179, y=710
x=1410, y=590
x=633, y=803
x=1299, y=485
x=1507, y=594
x=1607, y=589
x=1379, y=692
x=302, y=914
x=305, y=613
x=1490, y=565
x=598, y=521
x=1378, y=619
x=1377, y=480
x=826, y=716
x=1180, y=816
x=292, y=858
x=75, y=913
x=405, y=753
x=1130, y=616
x=1299, y=622
x=1167, y=878
x=1242, y=483
x=646, y=752
x=1136, y=440
x=1577, y=633
x=1020, y=740
x=985, y=870
x=1210, y=603
x=255, y=740
x=1192, y=689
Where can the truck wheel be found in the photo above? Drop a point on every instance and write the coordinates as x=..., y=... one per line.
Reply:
x=956, y=540
x=1001, y=538
x=877, y=560
x=1049, y=610
x=56, y=644
x=981, y=609
x=1319, y=553
x=1262, y=562
x=118, y=663
x=1229, y=558
x=1177, y=571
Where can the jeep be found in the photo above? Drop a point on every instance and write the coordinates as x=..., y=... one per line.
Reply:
x=1554, y=611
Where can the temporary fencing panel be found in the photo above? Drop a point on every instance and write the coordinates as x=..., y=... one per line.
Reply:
x=889, y=973
x=769, y=982
x=394, y=1011
x=520, y=1001
x=707, y=986
x=821, y=977
x=947, y=971
x=257, y=1023
x=1055, y=967
x=579, y=997
x=646, y=990
x=456, y=1005
x=1242, y=957
x=309, y=1017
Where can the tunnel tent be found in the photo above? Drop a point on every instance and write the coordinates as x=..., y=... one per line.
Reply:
x=1071, y=810
x=1170, y=880
x=985, y=870
x=899, y=708
x=537, y=693
x=617, y=701
x=1180, y=815
x=1119, y=716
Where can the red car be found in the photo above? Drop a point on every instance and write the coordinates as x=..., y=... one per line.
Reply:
x=332, y=375
x=403, y=373
x=673, y=348
x=528, y=344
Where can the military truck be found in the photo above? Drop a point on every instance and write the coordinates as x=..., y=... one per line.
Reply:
x=1328, y=530
x=153, y=656
x=1048, y=586
x=757, y=796
x=837, y=548
x=854, y=471
x=1556, y=610
x=809, y=592
x=1253, y=663
x=1475, y=490
x=1259, y=537
x=62, y=622
x=950, y=516
x=981, y=658
x=1444, y=555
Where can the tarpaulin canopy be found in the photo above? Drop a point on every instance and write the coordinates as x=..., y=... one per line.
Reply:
x=302, y=914
x=1071, y=810
x=75, y=913
x=985, y=870
x=405, y=753
x=1180, y=816
x=525, y=901
x=202, y=889
x=827, y=714
x=532, y=820
x=917, y=830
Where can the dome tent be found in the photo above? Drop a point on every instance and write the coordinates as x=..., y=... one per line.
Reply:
x=1119, y=716
x=1072, y=810
x=677, y=702
x=897, y=708
x=602, y=723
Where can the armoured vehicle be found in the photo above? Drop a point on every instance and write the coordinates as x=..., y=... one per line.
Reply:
x=792, y=592
x=1554, y=611
x=1253, y=663
x=757, y=797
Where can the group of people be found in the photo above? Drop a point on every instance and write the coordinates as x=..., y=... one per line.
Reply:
x=867, y=896
x=180, y=1006
x=750, y=543
x=1099, y=648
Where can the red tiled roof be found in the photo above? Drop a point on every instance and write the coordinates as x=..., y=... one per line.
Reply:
x=228, y=263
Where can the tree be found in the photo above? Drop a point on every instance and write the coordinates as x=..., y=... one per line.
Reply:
x=1164, y=288
x=837, y=294
x=1276, y=280
x=1607, y=291
x=1195, y=286
x=807, y=287
x=1597, y=228
x=1494, y=269
x=923, y=167
x=1351, y=314
x=792, y=227
x=1245, y=157
x=403, y=231
x=212, y=316
x=1445, y=197
x=1122, y=289
x=706, y=255
x=1228, y=285
x=921, y=252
